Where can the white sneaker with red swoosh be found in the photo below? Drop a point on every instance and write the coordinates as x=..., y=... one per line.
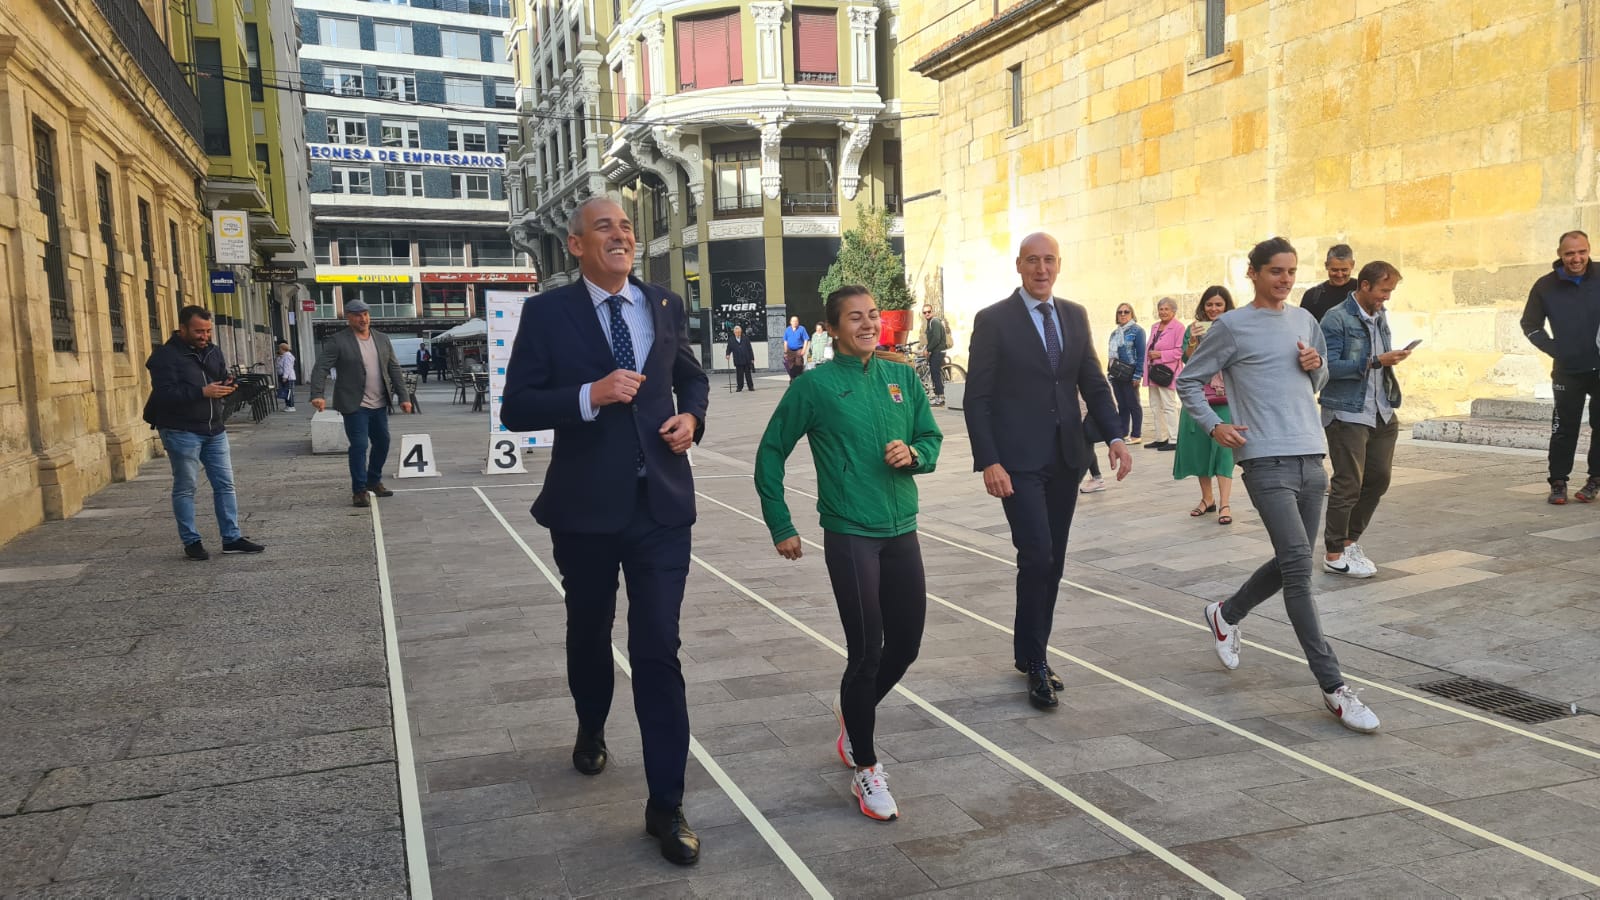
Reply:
x=1350, y=711
x=1225, y=637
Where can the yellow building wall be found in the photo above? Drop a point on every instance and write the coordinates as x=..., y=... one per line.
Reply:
x=1453, y=138
x=70, y=422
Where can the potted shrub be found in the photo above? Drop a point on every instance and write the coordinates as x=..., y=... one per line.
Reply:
x=867, y=258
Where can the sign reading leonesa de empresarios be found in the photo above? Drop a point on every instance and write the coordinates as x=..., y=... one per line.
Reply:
x=452, y=158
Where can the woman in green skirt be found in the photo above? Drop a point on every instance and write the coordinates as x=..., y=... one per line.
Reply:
x=1197, y=454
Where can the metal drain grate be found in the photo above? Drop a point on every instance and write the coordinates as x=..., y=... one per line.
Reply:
x=1497, y=699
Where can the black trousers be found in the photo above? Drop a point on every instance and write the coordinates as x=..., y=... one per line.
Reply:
x=1039, y=512
x=1571, y=391
x=745, y=375
x=879, y=586
x=936, y=371
x=654, y=560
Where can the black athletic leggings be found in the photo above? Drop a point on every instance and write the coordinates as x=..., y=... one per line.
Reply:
x=883, y=602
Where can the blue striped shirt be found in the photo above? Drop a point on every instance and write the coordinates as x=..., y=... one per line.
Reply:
x=641, y=326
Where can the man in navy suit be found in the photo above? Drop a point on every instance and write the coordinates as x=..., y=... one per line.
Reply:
x=600, y=362
x=1030, y=356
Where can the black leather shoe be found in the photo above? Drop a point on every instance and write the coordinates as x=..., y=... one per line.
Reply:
x=1055, y=680
x=589, y=752
x=1040, y=693
x=679, y=843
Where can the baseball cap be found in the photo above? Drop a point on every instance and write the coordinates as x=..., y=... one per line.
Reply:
x=355, y=306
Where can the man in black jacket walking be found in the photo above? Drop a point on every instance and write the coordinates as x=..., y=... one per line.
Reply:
x=189, y=380
x=743, y=356
x=1340, y=263
x=1569, y=298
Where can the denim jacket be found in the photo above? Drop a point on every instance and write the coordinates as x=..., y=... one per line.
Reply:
x=1129, y=348
x=1350, y=355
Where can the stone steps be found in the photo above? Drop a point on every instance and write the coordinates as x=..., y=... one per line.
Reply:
x=1498, y=422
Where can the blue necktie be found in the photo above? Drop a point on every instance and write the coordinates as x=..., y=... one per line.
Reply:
x=1052, y=337
x=622, y=350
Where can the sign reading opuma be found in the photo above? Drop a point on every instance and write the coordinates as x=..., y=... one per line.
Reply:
x=449, y=158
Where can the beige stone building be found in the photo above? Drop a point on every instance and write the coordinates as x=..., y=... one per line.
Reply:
x=100, y=221
x=1160, y=139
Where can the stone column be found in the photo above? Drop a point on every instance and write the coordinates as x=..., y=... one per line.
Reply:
x=655, y=38
x=864, y=44
x=769, y=41
x=771, y=141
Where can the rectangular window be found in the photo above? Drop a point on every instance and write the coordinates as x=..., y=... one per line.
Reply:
x=459, y=44
x=401, y=134
x=336, y=32
x=710, y=51
x=620, y=78
x=660, y=207
x=264, y=158
x=147, y=252
x=346, y=131
x=505, y=95
x=213, y=91
x=503, y=138
x=205, y=12
x=322, y=294
x=352, y=181
x=463, y=91
x=258, y=122
x=691, y=209
x=442, y=250
x=62, y=336
x=387, y=302
x=891, y=177
x=175, y=250
x=469, y=187
x=489, y=251
x=643, y=52
x=343, y=82
x=816, y=46
x=379, y=249
x=406, y=182
x=808, y=173
x=444, y=301
x=252, y=58
x=397, y=86
x=113, y=277
x=1216, y=23
x=736, y=170
x=391, y=38
x=320, y=247
x=497, y=48
x=1015, y=75
x=468, y=139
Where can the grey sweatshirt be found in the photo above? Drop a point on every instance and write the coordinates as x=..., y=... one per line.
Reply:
x=1268, y=393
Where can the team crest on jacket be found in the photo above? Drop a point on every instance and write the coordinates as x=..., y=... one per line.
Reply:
x=895, y=394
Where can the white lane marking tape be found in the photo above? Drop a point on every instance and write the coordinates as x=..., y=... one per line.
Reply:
x=404, y=758
x=519, y=484
x=1105, y=818
x=791, y=860
x=1295, y=755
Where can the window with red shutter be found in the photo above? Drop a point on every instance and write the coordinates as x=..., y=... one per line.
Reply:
x=644, y=71
x=622, y=92
x=816, y=46
x=710, y=51
x=684, y=28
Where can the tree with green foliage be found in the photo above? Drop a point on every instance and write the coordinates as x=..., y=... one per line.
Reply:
x=867, y=258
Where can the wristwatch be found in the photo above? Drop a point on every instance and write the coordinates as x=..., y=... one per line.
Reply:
x=916, y=459
x=1375, y=364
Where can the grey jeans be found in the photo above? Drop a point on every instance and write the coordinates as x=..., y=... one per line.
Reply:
x=1287, y=492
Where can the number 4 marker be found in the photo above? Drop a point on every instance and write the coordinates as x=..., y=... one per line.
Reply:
x=416, y=457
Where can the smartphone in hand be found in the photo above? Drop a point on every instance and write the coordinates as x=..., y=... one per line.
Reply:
x=1413, y=345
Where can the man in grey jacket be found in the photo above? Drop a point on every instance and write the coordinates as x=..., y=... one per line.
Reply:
x=1270, y=358
x=369, y=376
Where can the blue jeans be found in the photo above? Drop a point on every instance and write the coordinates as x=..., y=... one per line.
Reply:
x=286, y=392
x=368, y=431
x=188, y=452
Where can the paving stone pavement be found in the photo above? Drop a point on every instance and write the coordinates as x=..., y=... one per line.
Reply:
x=171, y=729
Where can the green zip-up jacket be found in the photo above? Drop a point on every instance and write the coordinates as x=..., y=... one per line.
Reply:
x=850, y=411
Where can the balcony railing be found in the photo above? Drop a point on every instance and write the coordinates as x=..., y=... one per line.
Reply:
x=817, y=77
x=810, y=204
x=144, y=43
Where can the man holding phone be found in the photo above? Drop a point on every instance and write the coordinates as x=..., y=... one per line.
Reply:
x=1358, y=415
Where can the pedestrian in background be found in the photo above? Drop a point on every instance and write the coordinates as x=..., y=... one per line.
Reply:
x=846, y=410
x=284, y=364
x=1197, y=454
x=935, y=340
x=1163, y=362
x=1125, y=371
x=188, y=382
x=743, y=356
x=795, y=341
x=1340, y=264
x=424, y=362
x=1568, y=298
x=371, y=377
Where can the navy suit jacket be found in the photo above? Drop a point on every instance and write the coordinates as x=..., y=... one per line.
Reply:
x=1019, y=413
x=591, y=484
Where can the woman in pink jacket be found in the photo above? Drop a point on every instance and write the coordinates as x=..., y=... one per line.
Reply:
x=1165, y=348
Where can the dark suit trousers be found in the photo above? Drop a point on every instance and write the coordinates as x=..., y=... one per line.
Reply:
x=654, y=560
x=1039, y=512
x=745, y=375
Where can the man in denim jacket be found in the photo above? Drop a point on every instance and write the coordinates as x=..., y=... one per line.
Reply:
x=1358, y=415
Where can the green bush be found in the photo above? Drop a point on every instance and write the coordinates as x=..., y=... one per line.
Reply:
x=867, y=258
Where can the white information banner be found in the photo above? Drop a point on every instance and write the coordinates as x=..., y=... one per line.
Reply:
x=230, y=231
x=504, y=315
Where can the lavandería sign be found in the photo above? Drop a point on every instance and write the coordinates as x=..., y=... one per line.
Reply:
x=451, y=158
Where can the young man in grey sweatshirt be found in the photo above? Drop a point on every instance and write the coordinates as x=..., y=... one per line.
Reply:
x=1270, y=357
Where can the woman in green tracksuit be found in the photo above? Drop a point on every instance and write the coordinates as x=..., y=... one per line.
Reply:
x=870, y=429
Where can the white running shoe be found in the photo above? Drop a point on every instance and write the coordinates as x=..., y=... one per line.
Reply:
x=1224, y=637
x=1092, y=485
x=846, y=755
x=1350, y=711
x=871, y=787
x=1349, y=565
x=1360, y=554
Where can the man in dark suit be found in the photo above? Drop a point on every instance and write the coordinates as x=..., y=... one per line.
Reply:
x=600, y=362
x=369, y=376
x=743, y=355
x=1030, y=356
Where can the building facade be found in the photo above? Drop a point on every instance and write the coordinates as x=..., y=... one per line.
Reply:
x=409, y=114
x=100, y=225
x=1160, y=140
x=741, y=138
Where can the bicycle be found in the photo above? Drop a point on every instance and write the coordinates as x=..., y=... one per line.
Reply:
x=919, y=362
